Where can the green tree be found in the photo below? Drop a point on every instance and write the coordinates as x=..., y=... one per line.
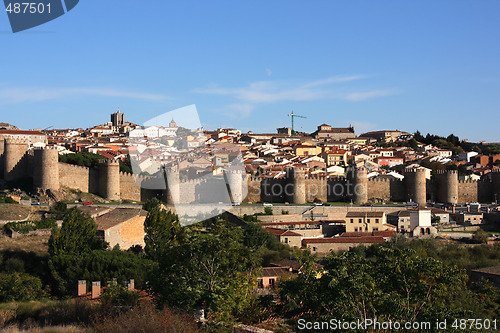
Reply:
x=383, y=283
x=162, y=230
x=150, y=204
x=20, y=287
x=118, y=295
x=77, y=235
x=480, y=236
x=66, y=269
x=209, y=268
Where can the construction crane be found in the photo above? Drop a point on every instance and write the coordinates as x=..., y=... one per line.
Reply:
x=292, y=115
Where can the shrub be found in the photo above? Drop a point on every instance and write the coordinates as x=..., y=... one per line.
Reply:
x=117, y=295
x=268, y=211
x=146, y=318
x=20, y=287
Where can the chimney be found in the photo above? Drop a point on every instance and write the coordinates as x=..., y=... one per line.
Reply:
x=96, y=289
x=82, y=287
x=131, y=285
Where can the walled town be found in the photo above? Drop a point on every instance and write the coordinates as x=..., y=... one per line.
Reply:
x=318, y=193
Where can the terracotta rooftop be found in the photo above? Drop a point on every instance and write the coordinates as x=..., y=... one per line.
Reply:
x=117, y=216
x=15, y=132
x=365, y=214
x=381, y=233
x=363, y=239
x=274, y=271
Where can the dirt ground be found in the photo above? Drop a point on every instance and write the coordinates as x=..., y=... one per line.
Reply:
x=38, y=244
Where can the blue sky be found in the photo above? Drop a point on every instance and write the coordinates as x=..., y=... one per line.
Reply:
x=427, y=65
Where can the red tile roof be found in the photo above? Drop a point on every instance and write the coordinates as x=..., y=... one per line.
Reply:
x=363, y=239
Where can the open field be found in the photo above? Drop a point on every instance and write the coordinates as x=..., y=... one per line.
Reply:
x=13, y=212
x=38, y=244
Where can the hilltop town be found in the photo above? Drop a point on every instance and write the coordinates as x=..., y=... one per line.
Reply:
x=311, y=196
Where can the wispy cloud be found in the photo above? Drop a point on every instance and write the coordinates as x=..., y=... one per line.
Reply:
x=361, y=96
x=277, y=91
x=34, y=94
x=238, y=111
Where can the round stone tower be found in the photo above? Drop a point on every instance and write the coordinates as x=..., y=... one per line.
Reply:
x=360, y=186
x=46, y=169
x=109, y=179
x=495, y=179
x=416, y=185
x=298, y=180
x=234, y=180
x=173, y=186
x=14, y=163
x=451, y=183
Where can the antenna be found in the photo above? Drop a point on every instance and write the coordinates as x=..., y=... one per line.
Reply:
x=292, y=115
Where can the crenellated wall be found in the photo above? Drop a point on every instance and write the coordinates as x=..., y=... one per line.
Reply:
x=42, y=166
x=79, y=178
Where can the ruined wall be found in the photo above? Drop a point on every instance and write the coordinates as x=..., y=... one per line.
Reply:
x=79, y=177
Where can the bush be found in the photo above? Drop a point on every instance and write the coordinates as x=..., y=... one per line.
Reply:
x=146, y=318
x=20, y=287
x=117, y=295
x=268, y=211
x=66, y=270
x=27, y=226
x=480, y=237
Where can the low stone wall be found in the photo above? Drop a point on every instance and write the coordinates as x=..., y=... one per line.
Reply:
x=39, y=232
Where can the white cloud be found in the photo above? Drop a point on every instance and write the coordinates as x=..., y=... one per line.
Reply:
x=34, y=94
x=277, y=91
x=238, y=111
x=361, y=96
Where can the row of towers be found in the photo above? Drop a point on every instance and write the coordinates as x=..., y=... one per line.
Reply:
x=42, y=165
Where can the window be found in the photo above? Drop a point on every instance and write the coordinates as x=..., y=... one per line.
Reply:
x=261, y=283
x=375, y=229
x=352, y=220
x=368, y=221
x=376, y=221
x=314, y=249
x=286, y=240
x=355, y=229
x=359, y=221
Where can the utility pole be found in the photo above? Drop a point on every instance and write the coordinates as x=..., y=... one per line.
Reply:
x=292, y=115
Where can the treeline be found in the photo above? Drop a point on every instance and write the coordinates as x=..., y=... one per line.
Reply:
x=388, y=283
x=454, y=143
x=211, y=265
x=91, y=160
